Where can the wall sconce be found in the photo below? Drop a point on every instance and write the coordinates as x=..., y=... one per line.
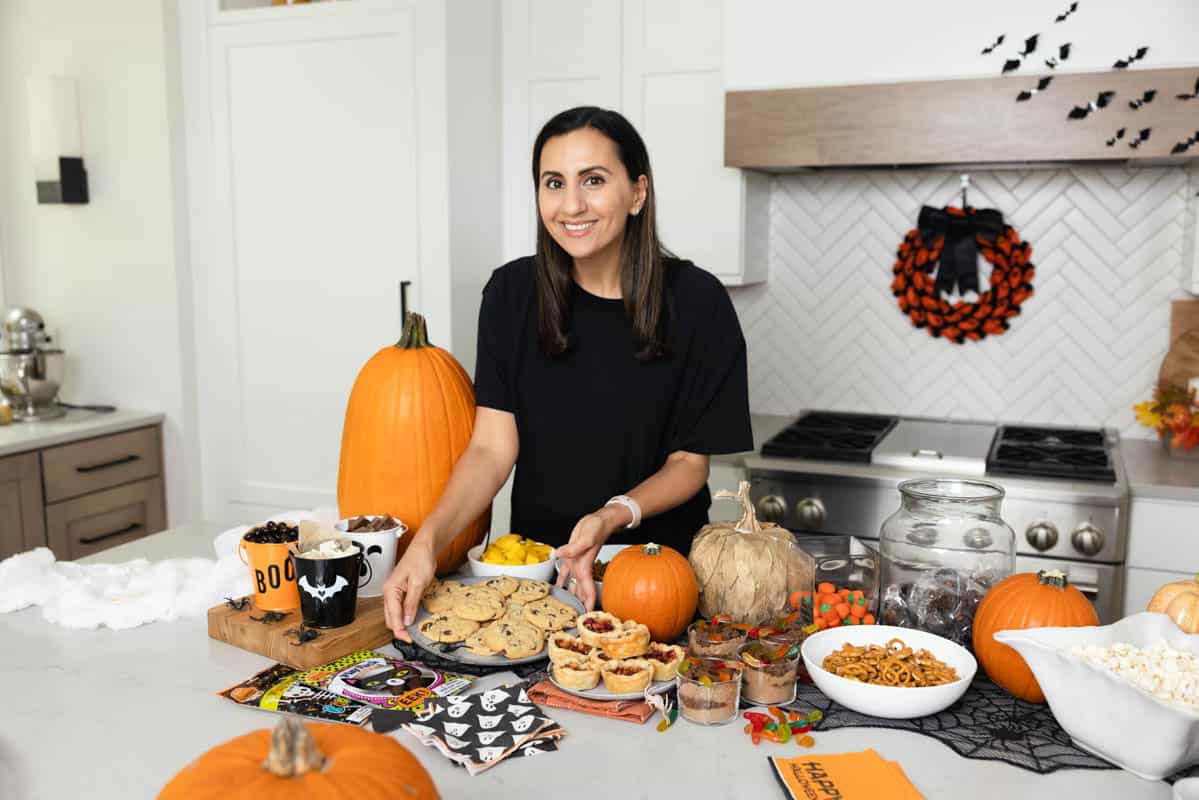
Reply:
x=57, y=146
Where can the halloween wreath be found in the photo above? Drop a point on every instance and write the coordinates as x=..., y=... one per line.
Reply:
x=947, y=242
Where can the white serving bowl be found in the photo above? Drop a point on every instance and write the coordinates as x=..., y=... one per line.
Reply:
x=543, y=571
x=1104, y=713
x=888, y=702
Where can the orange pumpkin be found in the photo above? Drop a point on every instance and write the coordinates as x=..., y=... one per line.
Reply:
x=299, y=762
x=1178, y=600
x=1022, y=601
x=410, y=415
x=653, y=585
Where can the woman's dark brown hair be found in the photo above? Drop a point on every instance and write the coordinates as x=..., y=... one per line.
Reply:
x=642, y=256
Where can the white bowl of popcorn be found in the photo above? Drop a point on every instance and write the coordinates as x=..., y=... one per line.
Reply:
x=1127, y=692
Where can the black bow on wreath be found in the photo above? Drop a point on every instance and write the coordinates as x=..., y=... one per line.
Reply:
x=959, y=253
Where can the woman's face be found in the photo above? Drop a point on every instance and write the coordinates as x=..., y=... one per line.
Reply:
x=585, y=195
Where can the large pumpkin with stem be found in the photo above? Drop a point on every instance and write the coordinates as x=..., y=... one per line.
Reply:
x=410, y=415
x=746, y=569
x=653, y=585
x=298, y=761
x=1028, y=600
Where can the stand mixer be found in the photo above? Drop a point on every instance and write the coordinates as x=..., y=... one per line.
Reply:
x=30, y=370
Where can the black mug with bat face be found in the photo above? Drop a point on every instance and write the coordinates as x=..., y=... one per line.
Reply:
x=329, y=588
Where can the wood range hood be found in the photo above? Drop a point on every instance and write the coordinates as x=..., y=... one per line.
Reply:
x=975, y=122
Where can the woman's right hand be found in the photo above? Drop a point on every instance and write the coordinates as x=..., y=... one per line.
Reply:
x=403, y=589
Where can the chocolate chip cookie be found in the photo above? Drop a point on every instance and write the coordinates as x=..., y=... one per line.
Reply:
x=447, y=628
x=550, y=614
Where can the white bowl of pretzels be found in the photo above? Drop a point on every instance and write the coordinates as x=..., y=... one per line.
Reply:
x=888, y=672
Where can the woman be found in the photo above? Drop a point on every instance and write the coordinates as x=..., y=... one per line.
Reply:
x=608, y=371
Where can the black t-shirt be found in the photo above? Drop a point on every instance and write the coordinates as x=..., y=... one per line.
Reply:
x=594, y=422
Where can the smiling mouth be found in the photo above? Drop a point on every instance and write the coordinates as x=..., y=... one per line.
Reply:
x=578, y=228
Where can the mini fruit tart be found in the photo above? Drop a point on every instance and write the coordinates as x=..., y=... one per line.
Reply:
x=564, y=647
x=665, y=659
x=628, y=676
x=594, y=624
x=579, y=674
x=632, y=639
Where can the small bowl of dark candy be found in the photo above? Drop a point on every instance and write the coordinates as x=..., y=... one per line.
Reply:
x=272, y=533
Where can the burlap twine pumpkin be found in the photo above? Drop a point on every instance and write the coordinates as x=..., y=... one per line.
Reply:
x=748, y=569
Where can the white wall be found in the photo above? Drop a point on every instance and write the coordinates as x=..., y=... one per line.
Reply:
x=476, y=232
x=103, y=274
x=778, y=43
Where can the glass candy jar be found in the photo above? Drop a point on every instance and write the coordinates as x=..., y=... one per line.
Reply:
x=941, y=552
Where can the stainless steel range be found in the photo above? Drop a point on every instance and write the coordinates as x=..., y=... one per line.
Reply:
x=1067, y=497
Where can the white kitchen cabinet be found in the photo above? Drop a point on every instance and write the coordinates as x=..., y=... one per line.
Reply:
x=1141, y=584
x=1163, y=546
x=658, y=62
x=321, y=176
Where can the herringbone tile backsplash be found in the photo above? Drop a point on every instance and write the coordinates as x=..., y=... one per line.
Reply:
x=825, y=332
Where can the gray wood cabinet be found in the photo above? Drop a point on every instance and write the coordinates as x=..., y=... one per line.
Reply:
x=22, y=518
x=83, y=497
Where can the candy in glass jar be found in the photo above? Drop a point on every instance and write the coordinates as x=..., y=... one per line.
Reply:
x=941, y=551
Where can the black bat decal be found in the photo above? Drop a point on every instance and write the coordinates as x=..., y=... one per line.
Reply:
x=1062, y=16
x=1042, y=85
x=1142, y=137
x=1147, y=97
x=1030, y=45
x=1011, y=64
x=1187, y=144
x=1193, y=95
x=1119, y=135
x=1080, y=112
x=1124, y=63
x=1063, y=53
x=990, y=49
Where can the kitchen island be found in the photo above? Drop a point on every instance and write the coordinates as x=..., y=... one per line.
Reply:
x=114, y=714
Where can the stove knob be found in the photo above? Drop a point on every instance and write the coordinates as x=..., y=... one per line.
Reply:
x=771, y=508
x=1041, y=535
x=1087, y=539
x=810, y=513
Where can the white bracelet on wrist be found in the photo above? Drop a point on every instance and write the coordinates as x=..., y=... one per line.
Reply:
x=631, y=505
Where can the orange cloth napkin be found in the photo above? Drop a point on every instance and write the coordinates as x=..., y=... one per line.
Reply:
x=545, y=693
x=847, y=776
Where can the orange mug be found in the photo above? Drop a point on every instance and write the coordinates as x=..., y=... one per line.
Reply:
x=273, y=573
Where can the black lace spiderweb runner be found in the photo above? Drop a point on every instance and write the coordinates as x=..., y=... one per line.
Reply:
x=987, y=723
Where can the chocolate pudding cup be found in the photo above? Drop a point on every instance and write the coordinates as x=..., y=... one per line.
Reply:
x=726, y=644
x=711, y=702
x=770, y=682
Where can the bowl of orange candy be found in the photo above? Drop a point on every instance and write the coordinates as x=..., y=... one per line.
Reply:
x=831, y=606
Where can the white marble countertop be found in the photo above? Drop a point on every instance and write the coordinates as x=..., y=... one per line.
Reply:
x=104, y=714
x=1152, y=473
x=20, y=437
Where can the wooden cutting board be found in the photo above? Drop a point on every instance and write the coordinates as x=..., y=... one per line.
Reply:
x=272, y=640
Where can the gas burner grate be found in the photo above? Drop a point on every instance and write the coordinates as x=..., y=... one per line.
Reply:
x=1053, y=437
x=1080, y=454
x=830, y=436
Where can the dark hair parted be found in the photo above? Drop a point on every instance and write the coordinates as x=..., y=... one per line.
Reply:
x=642, y=256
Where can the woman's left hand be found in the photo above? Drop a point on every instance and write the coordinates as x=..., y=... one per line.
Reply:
x=576, y=557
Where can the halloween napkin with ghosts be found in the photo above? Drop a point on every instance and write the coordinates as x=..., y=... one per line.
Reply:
x=479, y=731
